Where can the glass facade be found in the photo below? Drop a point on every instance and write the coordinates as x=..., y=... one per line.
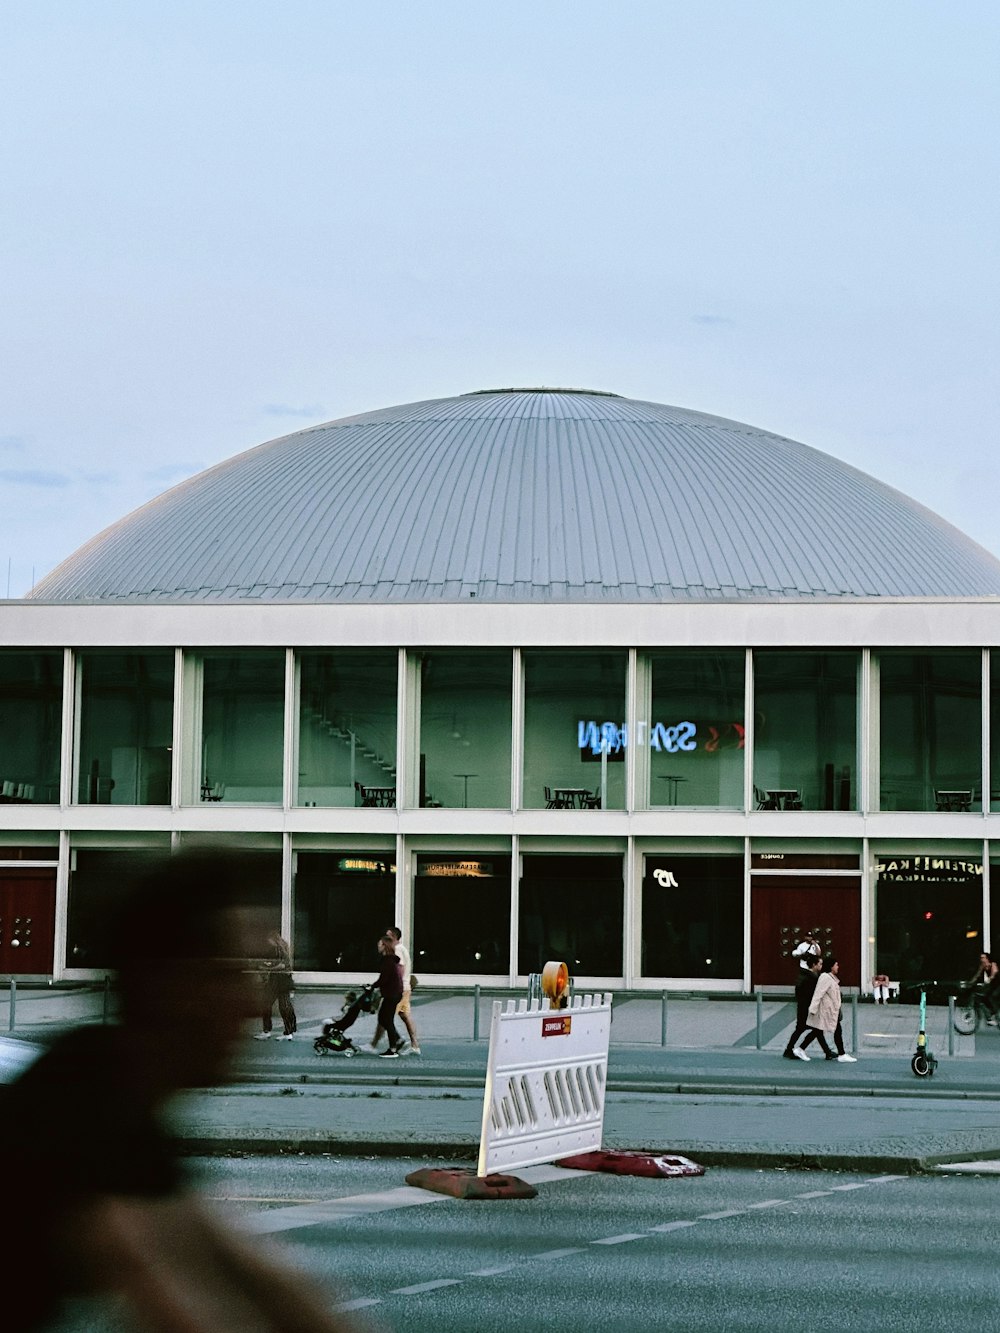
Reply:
x=696, y=730
x=930, y=737
x=575, y=735
x=126, y=705
x=692, y=916
x=805, y=730
x=928, y=917
x=924, y=746
x=30, y=725
x=465, y=729
x=571, y=909
x=461, y=914
x=347, y=727
x=994, y=730
x=98, y=881
x=344, y=900
x=243, y=714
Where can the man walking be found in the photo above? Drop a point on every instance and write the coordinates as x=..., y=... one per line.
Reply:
x=804, y=990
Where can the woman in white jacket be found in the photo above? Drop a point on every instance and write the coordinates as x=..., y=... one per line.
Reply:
x=824, y=1008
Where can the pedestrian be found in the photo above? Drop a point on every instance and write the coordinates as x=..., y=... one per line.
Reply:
x=804, y=989
x=824, y=1014
x=390, y=984
x=409, y=982
x=987, y=975
x=807, y=949
x=278, y=989
x=98, y=1209
x=880, y=988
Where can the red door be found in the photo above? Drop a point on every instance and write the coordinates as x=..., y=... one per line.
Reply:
x=783, y=907
x=27, y=920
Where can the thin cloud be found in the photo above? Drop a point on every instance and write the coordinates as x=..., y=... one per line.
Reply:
x=13, y=443
x=31, y=477
x=711, y=319
x=283, y=410
x=171, y=471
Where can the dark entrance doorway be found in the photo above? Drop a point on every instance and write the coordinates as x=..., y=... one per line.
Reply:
x=783, y=907
x=27, y=920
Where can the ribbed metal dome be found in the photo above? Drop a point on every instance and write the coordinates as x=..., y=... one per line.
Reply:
x=526, y=495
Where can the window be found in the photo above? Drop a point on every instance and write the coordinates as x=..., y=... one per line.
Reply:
x=347, y=727
x=344, y=900
x=243, y=727
x=465, y=729
x=928, y=917
x=692, y=916
x=696, y=731
x=461, y=914
x=575, y=736
x=805, y=729
x=126, y=722
x=571, y=911
x=30, y=726
x=931, y=730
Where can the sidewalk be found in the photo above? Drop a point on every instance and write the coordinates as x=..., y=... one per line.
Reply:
x=709, y=1093
x=689, y=1023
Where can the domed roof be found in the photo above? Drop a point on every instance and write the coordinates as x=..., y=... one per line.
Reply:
x=526, y=495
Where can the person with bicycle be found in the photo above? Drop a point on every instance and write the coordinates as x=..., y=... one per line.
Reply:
x=987, y=975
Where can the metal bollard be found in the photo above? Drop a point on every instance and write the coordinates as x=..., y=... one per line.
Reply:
x=663, y=1020
x=760, y=1019
x=951, y=1025
x=13, y=1005
x=854, y=1023
x=475, y=1016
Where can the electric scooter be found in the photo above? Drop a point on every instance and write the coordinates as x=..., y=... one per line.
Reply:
x=923, y=1063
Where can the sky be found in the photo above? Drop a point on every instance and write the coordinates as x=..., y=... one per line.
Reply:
x=222, y=223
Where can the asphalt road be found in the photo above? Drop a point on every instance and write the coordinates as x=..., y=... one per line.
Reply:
x=734, y=1250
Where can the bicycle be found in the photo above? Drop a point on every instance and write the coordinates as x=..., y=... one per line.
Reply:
x=973, y=1009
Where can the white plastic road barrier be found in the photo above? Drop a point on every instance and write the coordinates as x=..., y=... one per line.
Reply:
x=545, y=1082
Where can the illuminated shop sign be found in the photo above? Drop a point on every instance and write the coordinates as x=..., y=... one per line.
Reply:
x=927, y=870
x=613, y=738
x=358, y=865
x=463, y=869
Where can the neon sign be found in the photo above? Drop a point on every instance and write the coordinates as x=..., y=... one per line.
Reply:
x=612, y=739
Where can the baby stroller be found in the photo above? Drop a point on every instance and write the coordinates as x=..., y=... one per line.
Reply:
x=333, y=1040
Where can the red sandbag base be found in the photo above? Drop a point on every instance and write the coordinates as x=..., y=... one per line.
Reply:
x=633, y=1163
x=463, y=1183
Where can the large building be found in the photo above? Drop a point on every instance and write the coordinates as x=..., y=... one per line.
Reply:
x=534, y=673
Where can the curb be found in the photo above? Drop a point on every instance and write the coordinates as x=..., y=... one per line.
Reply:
x=688, y=1088
x=755, y=1159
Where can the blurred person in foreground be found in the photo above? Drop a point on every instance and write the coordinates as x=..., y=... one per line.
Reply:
x=96, y=1204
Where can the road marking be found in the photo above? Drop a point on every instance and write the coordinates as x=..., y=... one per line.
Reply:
x=340, y=1210
x=323, y=1212
x=421, y=1287
x=987, y=1168
x=360, y=1204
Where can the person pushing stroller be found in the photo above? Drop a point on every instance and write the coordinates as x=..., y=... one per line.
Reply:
x=390, y=984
